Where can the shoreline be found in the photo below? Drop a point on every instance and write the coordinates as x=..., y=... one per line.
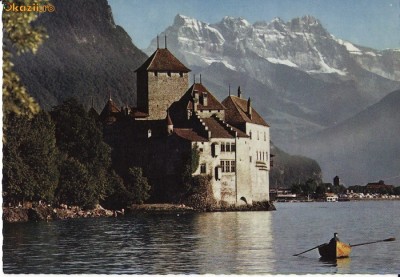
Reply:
x=347, y=200
x=47, y=213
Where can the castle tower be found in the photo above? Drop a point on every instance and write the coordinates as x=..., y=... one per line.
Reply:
x=161, y=80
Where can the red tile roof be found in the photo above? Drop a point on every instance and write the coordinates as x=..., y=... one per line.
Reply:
x=109, y=109
x=218, y=130
x=212, y=102
x=163, y=60
x=188, y=134
x=138, y=114
x=237, y=112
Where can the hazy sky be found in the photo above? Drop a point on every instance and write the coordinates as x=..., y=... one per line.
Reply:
x=372, y=23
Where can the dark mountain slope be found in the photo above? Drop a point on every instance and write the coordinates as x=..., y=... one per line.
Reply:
x=86, y=56
x=362, y=149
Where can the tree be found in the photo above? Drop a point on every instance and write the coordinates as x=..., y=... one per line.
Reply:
x=30, y=158
x=15, y=170
x=137, y=186
x=79, y=135
x=21, y=36
x=41, y=155
x=295, y=188
x=80, y=140
x=190, y=163
x=77, y=187
x=321, y=189
x=116, y=195
x=309, y=186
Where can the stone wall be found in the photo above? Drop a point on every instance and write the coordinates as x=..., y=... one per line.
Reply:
x=229, y=185
x=260, y=160
x=244, y=179
x=164, y=89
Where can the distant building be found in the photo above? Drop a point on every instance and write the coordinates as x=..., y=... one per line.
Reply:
x=378, y=187
x=331, y=197
x=336, y=181
x=172, y=118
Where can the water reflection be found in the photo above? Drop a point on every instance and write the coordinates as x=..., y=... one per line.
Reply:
x=341, y=265
x=234, y=242
x=217, y=243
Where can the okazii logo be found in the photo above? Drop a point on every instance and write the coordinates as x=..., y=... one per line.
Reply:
x=9, y=6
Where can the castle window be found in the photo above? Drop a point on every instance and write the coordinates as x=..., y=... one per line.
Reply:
x=169, y=73
x=155, y=73
x=203, y=168
x=258, y=135
x=215, y=148
x=222, y=147
x=233, y=166
x=233, y=147
x=228, y=147
x=227, y=166
x=250, y=134
x=250, y=159
x=265, y=136
x=257, y=155
x=180, y=74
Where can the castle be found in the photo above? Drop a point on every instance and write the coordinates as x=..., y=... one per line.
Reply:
x=172, y=118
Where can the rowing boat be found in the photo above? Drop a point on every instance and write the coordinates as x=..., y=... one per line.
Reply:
x=334, y=250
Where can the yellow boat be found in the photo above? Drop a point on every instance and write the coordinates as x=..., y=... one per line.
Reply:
x=334, y=250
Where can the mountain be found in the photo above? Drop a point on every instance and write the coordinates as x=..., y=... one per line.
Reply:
x=86, y=56
x=362, y=149
x=288, y=170
x=303, y=78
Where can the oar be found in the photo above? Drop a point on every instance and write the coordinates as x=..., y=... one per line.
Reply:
x=389, y=239
x=309, y=249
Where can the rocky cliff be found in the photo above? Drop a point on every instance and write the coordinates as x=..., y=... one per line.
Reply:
x=85, y=56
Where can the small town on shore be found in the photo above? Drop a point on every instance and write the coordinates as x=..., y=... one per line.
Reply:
x=336, y=192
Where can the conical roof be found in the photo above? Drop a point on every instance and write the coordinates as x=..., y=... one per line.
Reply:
x=110, y=110
x=163, y=60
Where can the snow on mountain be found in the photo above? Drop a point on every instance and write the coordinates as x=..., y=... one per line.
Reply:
x=302, y=42
x=272, y=41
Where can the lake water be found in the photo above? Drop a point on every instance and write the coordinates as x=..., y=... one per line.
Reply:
x=219, y=243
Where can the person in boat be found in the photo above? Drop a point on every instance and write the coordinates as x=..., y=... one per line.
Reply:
x=335, y=238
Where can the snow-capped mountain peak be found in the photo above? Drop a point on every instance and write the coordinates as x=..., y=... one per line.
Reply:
x=301, y=43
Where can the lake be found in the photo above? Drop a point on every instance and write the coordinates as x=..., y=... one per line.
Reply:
x=218, y=243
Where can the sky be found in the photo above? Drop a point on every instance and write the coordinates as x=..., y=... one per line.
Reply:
x=370, y=23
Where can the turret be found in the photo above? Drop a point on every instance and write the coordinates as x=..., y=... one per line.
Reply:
x=239, y=92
